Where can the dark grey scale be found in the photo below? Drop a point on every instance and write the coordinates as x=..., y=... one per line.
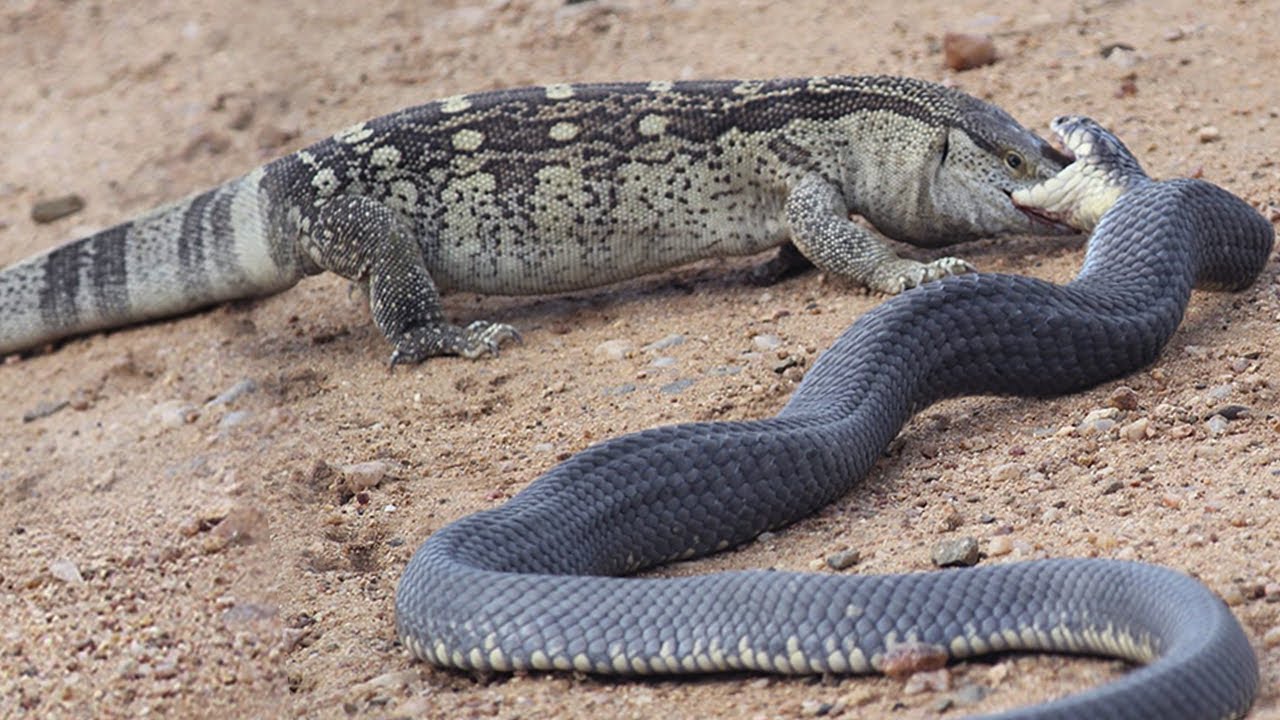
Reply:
x=60, y=291
x=108, y=272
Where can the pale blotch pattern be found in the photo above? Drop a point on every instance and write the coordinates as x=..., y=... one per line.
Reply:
x=455, y=104
x=385, y=156
x=468, y=140
x=403, y=197
x=563, y=131
x=660, y=86
x=325, y=181
x=357, y=133
x=559, y=91
x=652, y=125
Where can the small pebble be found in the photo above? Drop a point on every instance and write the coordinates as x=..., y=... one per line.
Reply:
x=1208, y=134
x=1100, y=426
x=246, y=613
x=970, y=694
x=613, y=349
x=43, y=410
x=47, y=211
x=665, y=361
x=66, y=571
x=1271, y=638
x=1139, y=429
x=815, y=708
x=235, y=392
x=1008, y=472
x=928, y=681
x=724, y=370
x=1106, y=413
x=234, y=418
x=843, y=560
x=359, y=477
x=956, y=553
x=951, y=519
x=1232, y=595
x=173, y=413
x=999, y=545
x=1123, y=398
x=1231, y=412
x=1217, y=425
x=963, y=51
x=669, y=341
x=242, y=524
x=766, y=342
x=81, y=399
x=679, y=386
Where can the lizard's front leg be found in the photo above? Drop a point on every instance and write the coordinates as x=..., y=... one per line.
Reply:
x=365, y=241
x=822, y=230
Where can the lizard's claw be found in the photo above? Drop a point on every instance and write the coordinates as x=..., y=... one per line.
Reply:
x=476, y=340
x=903, y=274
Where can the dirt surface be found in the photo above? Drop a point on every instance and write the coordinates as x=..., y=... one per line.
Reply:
x=167, y=552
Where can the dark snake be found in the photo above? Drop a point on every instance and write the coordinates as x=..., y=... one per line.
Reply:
x=533, y=584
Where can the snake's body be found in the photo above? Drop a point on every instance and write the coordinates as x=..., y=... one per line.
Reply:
x=530, y=584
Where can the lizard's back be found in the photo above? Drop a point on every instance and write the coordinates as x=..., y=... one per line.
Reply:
x=561, y=187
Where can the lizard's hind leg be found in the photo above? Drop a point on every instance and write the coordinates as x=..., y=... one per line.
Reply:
x=363, y=240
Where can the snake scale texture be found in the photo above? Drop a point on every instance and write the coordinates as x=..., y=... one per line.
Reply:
x=535, y=583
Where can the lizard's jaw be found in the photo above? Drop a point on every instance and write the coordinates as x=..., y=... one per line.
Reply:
x=1052, y=222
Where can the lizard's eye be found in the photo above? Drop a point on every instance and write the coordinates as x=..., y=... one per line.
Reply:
x=1013, y=160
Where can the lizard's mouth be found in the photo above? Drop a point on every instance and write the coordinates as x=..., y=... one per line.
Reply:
x=1041, y=216
x=1051, y=221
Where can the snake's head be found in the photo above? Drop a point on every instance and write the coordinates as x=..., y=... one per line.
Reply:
x=1101, y=171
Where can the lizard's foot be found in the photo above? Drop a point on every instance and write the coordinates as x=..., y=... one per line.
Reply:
x=478, y=338
x=903, y=274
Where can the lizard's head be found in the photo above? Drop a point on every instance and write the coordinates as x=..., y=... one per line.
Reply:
x=984, y=159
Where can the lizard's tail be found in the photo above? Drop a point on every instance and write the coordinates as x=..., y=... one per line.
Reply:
x=220, y=245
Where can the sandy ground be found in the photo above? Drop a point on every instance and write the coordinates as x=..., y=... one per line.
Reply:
x=123, y=595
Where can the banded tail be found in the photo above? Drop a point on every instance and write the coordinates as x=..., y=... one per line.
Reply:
x=228, y=243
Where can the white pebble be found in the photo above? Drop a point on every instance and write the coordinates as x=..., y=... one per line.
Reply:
x=1000, y=545
x=1137, y=430
x=1271, y=638
x=613, y=349
x=766, y=342
x=1217, y=425
x=66, y=571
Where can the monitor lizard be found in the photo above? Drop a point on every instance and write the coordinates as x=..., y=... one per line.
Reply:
x=555, y=188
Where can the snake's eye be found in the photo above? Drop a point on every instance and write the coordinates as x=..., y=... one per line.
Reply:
x=1013, y=160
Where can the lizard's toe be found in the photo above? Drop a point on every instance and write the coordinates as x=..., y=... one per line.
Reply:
x=492, y=334
x=906, y=274
x=478, y=339
x=943, y=267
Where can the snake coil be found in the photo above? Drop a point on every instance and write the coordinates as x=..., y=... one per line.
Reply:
x=532, y=583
